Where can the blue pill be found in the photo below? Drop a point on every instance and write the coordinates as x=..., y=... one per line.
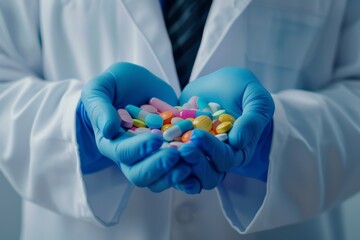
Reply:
x=154, y=121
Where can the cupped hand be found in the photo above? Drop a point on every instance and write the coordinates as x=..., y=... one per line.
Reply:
x=246, y=152
x=102, y=141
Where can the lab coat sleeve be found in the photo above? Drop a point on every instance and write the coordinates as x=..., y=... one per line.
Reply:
x=38, y=148
x=315, y=152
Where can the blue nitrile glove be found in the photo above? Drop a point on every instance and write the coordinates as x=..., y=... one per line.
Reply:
x=247, y=150
x=102, y=141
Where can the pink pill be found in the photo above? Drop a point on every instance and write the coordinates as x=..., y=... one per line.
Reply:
x=215, y=123
x=133, y=128
x=126, y=120
x=162, y=106
x=190, y=113
x=149, y=108
x=193, y=101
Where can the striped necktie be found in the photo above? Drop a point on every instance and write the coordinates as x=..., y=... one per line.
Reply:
x=185, y=21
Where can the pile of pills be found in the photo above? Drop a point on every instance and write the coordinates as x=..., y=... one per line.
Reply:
x=175, y=124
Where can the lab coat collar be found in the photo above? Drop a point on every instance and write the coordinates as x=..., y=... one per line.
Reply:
x=148, y=18
x=222, y=15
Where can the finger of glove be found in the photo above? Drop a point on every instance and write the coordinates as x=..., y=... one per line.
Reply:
x=190, y=185
x=129, y=77
x=151, y=168
x=202, y=168
x=244, y=130
x=180, y=172
x=97, y=97
x=245, y=135
x=222, y=156
x=129, y=150
x=258, y=109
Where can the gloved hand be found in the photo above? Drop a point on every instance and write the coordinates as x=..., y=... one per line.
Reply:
x=102, y=141
x=247, y=152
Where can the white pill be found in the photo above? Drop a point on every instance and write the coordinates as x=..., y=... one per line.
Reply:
x=187, y=106
x=214, y=106
x=131, y=133
x=177, y=130
x=176, y=144
x=141, y=130
x=192, y=101
x=222, y=136
x=175, y=120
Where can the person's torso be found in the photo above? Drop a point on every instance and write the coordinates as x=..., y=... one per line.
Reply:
x=287, y=44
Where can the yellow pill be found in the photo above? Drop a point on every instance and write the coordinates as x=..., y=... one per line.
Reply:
x=139, y=123
x=226, y=118
x=203, y=122
x=166, y=126
x=223, y=127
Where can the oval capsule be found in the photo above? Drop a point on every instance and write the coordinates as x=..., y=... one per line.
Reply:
x=149, y=108
x=226, y=118
x=163, y=106
x=224, y=127
x=186, y=136
x=176, y=120
x=222, y=136
x=203, y=105
x=218, y=113
x=203, y=122
x=167, y=116
x=177, y=130
x=126, y=119
x=139, y=123
x=154, y=121
x=165, y=127
x=190, y=113
x=214, y=106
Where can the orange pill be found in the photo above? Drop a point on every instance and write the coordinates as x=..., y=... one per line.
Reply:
x=186, y=136
x=167, y=116
x=213, y=132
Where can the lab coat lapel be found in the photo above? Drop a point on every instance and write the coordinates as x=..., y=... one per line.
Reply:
x=222, y=15
x=148, y=18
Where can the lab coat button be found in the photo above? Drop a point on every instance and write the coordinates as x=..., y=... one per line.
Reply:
x=185, y=212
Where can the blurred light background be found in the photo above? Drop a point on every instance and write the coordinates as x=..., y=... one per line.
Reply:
x=10, y=214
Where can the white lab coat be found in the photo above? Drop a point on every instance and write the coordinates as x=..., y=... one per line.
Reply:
x=305, y=52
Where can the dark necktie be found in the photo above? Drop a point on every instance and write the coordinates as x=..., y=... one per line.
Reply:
x=185, y=21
